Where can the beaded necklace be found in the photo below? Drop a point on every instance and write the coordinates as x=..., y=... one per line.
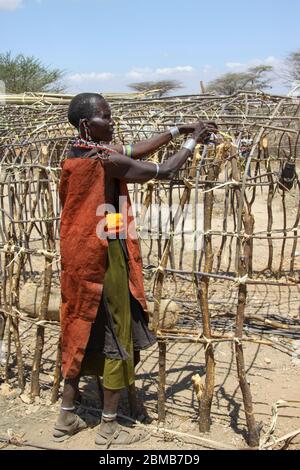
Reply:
x=89, y=145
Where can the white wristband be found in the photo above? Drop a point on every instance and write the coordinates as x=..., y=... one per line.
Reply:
x=190, y=145
x=174, y=131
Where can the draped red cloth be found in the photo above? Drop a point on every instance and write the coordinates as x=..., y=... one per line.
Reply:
x=84, y=254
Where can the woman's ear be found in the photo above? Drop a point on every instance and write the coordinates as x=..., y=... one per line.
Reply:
x=84, y=129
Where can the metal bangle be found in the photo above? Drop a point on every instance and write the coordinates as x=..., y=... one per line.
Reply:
x=109, y=416
x=157, y=170
x=174, y=131
x=190, y=145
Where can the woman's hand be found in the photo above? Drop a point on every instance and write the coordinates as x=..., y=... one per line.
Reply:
x=191, y=127
x=203, y=131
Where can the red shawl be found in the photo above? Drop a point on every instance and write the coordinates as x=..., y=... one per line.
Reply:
x=84, y=255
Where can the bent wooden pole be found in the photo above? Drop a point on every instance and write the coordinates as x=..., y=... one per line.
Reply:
x=243, y=271
x=253, y=436
x=203, y=290
x=158, y=287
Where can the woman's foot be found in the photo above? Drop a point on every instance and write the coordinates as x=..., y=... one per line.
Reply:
x=67, y=424
x=113, y=434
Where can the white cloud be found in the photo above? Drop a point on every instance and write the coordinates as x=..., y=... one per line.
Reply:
x=152, y=74
x=108, y=81
x=190, y=76
x=178, y=69
x=234, y=65
x=275, y=75
x=135, y=75
x=139, y=73
x=10, y=5
x=240, y=67
x=271, y=60
x=84, y=77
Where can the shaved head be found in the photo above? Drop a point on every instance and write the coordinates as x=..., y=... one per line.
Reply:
x=84, y=106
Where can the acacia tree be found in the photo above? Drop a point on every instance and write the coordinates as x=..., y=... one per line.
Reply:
x=27, y=74
x=160, y=87
x=255, y=78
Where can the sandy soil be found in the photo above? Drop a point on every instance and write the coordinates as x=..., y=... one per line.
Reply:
x=274, y=373
x=273, y=376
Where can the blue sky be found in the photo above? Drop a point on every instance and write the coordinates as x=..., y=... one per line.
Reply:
x=105, y=44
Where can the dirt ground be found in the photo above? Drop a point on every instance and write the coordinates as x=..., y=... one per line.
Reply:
x=273, y=372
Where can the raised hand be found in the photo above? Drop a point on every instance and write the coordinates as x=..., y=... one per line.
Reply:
x=203, y=131
x=191, y=127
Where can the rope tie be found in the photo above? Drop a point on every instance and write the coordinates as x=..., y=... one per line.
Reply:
x=22, y=250
x=242, y=280
x=209, y=342
x=47, y=253
x=239, y=281
x=247, y=236
x=198, y=233
x=188, y=183
x=232, y=182
x=199, y=337
x=237, y=341
x=159, y=269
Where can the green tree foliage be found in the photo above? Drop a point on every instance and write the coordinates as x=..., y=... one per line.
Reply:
x=159, y=88
x=27, y=74
x=255, y=78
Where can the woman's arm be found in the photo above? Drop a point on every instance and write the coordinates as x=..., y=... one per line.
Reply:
x=132, y=171
x=146, y=147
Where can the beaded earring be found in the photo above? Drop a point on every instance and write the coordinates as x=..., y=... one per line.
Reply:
x=87, y=135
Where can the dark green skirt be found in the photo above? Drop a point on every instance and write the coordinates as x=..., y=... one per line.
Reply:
x=116, y=373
